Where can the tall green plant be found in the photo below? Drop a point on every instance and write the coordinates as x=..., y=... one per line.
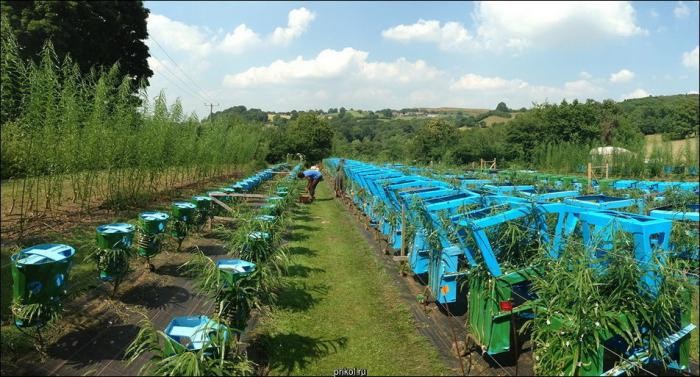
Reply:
x=90, y=134
x=219, y=356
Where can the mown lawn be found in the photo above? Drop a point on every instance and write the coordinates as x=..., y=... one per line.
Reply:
x=695, y=342
x=340, y=310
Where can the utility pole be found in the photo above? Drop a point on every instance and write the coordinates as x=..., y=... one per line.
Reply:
x=211, y=110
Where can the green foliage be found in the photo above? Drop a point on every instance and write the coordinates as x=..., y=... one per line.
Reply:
x=502, y=107
x=486, y=143
x=95, y=34
x=38, y=313
x=434, y=140
x=220, y=356
x=578, y=305
x=241, y=113
x=549, y=136
x=88, y=131
x=234, y=296
x=578, y=123
x=307, y=134
x=676, y=116
x=113, y=262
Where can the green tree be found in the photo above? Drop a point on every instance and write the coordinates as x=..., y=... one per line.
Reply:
x=386, y=113
x=94, y=33
x=13, y=74
x=310, y=135
x=434, y=140
x=502, y=107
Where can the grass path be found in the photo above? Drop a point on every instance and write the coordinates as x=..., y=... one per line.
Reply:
x=340, y=310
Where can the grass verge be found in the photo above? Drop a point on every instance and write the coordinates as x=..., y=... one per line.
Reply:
x=339, y=309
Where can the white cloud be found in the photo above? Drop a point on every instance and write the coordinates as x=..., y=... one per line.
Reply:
x=518, y=25
x=580, y=86
x=653, y=13
x=681, y=10
x=690, y=58
x=298, y=21
x=155, y=64
x=201, y=41
x=346, y=64
x=350, y=78
x=240, y=40
x=450, y=35
x=178, y=36
x=520, y=92
x=585, y=75
x=637, y=93
x=472, y=81
x=624, y=75
x=578, y=89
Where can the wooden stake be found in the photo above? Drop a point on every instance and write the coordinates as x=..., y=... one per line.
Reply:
x=219, y=202
x=589, y=174
x=403, y=230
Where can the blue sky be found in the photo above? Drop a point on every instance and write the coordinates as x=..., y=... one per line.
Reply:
x=281, y=56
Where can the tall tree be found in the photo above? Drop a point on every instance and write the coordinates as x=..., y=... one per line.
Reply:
x=311, y=135
x=93, y=33
x=433, y=140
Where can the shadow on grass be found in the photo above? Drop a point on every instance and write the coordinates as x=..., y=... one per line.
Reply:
x=287, y=353
x=305, y=227
x=301, y=250
x=304, y=218
x=296, y=236
x=298, y=297
x=86, y=347
x=298, y=270
x=153, y=296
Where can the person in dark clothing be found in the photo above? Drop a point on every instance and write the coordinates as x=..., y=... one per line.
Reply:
x=339, y=182
x=314, y=177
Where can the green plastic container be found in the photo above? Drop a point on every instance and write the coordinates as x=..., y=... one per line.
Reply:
x=40, y=273
x=204, y=208
x=490, y=323
x=184, y=215
x=153, y=222
x=183, y=211
x=115, y=236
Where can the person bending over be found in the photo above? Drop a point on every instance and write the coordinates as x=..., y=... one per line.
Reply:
x=314, y=177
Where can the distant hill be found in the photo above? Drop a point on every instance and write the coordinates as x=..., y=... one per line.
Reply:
x=454, y=110
x=491, y=119
x=675, y=115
